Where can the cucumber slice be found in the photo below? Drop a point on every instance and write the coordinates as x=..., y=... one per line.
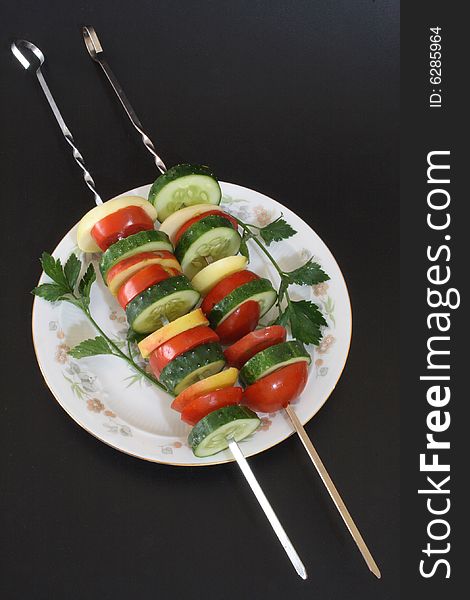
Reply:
x=213, y=274
x=192, y=366
x=213, y=433
x=213, y=236
x=271, y=359
x=170, y=299
x=184, y=185
x=144, y=241
x=260, y=290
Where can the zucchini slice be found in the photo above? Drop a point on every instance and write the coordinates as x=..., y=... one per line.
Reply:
x=213, y=433
x=167, y=299
x=192, y=366
x=184, y=185
x=260, y=290
x=213, y=236
x=85, y=240
x=213, y=274
x=144, y=241
x=271, y=359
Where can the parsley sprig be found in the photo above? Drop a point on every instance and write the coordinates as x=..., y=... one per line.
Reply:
x=303, y=316
x=66, y=286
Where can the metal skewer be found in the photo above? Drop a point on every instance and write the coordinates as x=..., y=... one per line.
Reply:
x=96, y=52
x=38, y=57
x=335, y=496
x=267, y=508
x=29, y=55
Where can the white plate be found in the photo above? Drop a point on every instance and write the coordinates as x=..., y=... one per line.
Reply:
x=105, y=397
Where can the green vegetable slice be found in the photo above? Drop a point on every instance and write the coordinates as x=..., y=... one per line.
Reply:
x=184, y=185
x=168, y=299
x=259, y=290
x=214, y=432
x=271, y=359
x=144, y=241
x=192, y=366
x=212, y=236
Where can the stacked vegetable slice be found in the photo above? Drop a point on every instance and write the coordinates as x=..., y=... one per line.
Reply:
x=188, y=359
x=158, y=278
x=149, y=272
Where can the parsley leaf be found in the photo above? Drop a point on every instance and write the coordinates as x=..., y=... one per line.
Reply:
x=53, y=269
x=306, y=321
x=91, y=347
x=51, y=292
x=244, y=249
x=72, y=270
x=276, y=231
x=308, y=274
x=85, y=284
x=282, y=319
x=134, y=337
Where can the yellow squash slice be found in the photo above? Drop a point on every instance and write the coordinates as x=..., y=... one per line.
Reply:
x=211, y=275
x=220, y=380
x=193, y=319
x=174, y=222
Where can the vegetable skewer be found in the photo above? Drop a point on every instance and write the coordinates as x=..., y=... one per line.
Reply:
x=94, y=47
x=237, y=453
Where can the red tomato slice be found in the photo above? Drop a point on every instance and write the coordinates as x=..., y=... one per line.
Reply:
x=254, y=342
x=203, y=405
x=243, y=320
x=120, y=224
x=190, y=222
x=165, y=256
x=277, y=390
x=139, y=282
x=224, y=287
x=177, y=345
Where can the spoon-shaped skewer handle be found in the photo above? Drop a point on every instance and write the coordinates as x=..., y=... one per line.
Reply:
x=95, y=50
x=20, y=49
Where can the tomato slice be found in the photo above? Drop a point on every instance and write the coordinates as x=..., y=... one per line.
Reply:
x=243, y=320
x=162, y=257
x=224, y=287
x=278, y=389
x=182, y=342
x=197, y=218
x=203, y=405
x=219, y=381
x=139, y=282
x=254, y=342
x=120, y=224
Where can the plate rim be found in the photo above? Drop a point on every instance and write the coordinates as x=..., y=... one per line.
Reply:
x=228, y=460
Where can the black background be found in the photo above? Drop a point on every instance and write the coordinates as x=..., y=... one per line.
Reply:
x=298, y=100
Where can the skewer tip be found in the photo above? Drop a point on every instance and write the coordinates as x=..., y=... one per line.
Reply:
x=376, y=571
x=302, y=571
